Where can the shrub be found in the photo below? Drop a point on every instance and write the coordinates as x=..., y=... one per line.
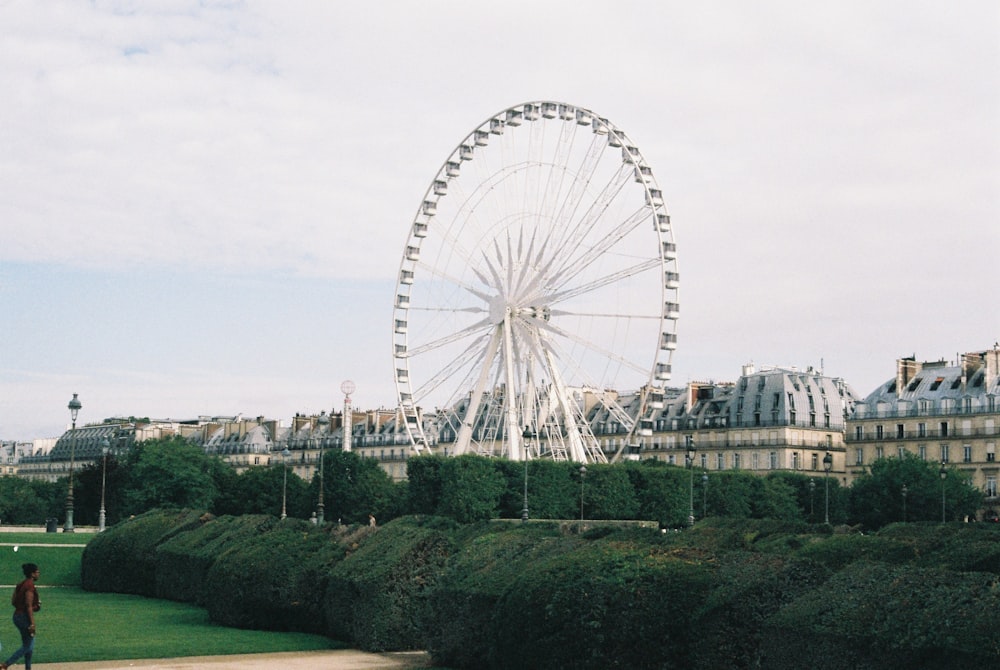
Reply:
x=273, y=576
x=376, y=596
x=122, y=559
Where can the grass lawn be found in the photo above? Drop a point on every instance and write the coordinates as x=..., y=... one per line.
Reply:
x=77, y=625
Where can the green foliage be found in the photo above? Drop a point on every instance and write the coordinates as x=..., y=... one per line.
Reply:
x=602, y=605
x=87, y=492
x=423, y=474
x=608, y=493
x=877, y=496
x=122, y=559
x=471, y=487
x=376, y=596
x=874, y=615
x=353, y=488
x=27, y=502
x=170, y=473
x=274, y=575
x=183, y=561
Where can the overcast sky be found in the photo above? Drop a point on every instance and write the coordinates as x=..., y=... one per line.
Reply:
x=203, y=204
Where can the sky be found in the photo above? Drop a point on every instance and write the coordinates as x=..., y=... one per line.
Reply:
x=203, y=205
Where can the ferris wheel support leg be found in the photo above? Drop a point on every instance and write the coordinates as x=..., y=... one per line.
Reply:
x=513, y=431
x=577, y=453
x=464, y=436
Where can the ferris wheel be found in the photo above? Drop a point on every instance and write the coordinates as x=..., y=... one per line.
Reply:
x=536, y=304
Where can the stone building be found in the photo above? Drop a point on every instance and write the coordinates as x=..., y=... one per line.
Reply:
x=947, y=412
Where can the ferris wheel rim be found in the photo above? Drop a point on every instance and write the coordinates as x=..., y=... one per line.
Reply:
x=667, y=319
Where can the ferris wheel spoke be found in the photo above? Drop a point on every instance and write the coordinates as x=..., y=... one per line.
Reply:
x=601, y=282
x=472, y=355
x=593, y=346
x=435, y=272
x=447, y=339
x=572, y=267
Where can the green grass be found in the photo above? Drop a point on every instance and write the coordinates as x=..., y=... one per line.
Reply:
x=75, y=625
x=58, y=565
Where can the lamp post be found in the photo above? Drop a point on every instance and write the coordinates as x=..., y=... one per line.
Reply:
x=812, y=500
x=905, y=491
x=583, y=476
x=284, y=482
x=322, y=420
x=827, y=466
x=105, y=447
x=704, y=495
x=527, y=435
x=74, y=409
x=944, y=476
x=689, y=458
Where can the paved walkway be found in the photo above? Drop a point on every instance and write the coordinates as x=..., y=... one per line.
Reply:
x=339, y=659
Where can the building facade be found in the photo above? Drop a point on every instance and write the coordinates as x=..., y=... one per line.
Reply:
x=938, y=411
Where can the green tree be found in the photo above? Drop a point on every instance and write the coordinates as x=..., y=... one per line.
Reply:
x=353, y=488
x=877, y=496
x=28, y=503
x=87, y=491
x=661, y=491
x=170, y=472
x=608, y=493
x=471, y=488
x=424, y=491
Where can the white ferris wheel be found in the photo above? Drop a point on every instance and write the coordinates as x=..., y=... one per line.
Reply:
x=537, y=292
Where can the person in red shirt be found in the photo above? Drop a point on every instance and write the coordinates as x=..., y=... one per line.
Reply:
x=26, y=603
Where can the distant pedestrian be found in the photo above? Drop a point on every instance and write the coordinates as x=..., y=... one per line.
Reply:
x=371, y=520
x=26, y=603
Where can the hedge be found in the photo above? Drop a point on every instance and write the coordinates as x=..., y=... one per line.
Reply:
x=122, y=559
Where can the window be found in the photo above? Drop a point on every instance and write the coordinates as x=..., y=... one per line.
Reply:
x=859, y=456
x=755, y=461
x=937, y=383
x=815, y=462
x=720, y=461
x=991, y=486
x=901, y=452
x=772, y=460
x=704, y=461
x=922, y=452
x=991, y=455
x=921, y=430
x=859, y=432
x=879, y=453
x=736, y=462
x=900, y=431
x=879, y=433
x=967, y=453
x=944, y=429
x=944, y=453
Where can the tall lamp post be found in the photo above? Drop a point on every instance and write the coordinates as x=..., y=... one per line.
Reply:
x=704, y=495
x=827, y=466
x=905, y=491
x=322, y=420
x=689, y=457
x=284, y=482
x=812, y=501
x=944, y=476
x=74, y=409
x=583, y=476
x=527, y=435
x=105, y=447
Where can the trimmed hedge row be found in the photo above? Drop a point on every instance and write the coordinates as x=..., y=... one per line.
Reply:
x=727, y=593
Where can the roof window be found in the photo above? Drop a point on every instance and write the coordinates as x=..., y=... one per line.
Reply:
x=937, y=383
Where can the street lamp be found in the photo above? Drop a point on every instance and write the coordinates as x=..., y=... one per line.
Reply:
x=284, y=482
x=583, y=476
x=827, y=466
x=526, y=435
x=905, y=491
x=105, y=447
x=944, y=476
x=74, y=409
x=704, y=495
x=322, y=420
x=812, y=501
x=689, y=458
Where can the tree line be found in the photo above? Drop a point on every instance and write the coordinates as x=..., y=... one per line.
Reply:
x=175, y=473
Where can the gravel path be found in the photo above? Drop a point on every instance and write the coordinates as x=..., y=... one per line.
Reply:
x=340, y=659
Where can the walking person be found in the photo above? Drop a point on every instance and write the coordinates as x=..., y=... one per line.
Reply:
x=26, y=603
